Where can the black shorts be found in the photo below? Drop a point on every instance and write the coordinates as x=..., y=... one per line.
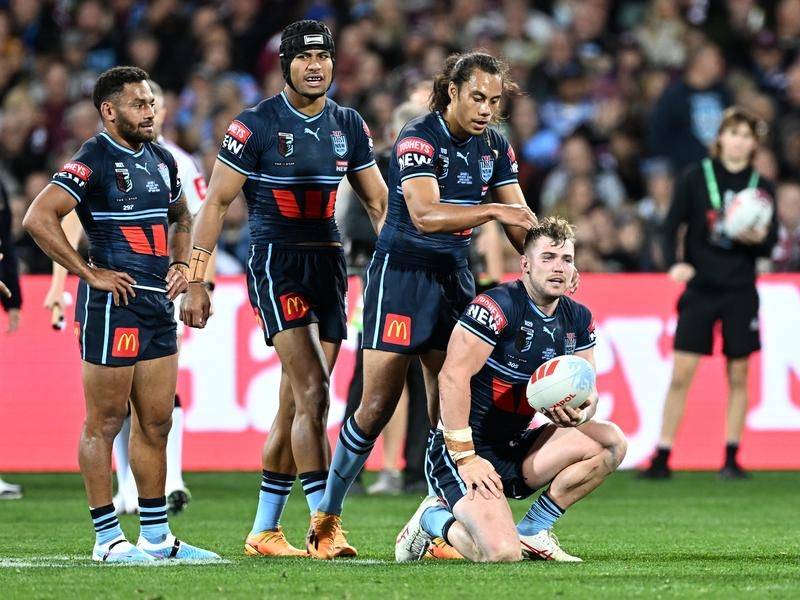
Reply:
x=294, y=286
x=120, y=336
x=410, y=310
x=698, y=312
x=442, y=474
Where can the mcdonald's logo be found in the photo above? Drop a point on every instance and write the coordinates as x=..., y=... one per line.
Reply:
x=294, y=306
x=126, y=342
x=397, y=329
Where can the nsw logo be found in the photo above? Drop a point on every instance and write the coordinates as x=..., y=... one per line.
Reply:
x=339, y=143
x=487, y=167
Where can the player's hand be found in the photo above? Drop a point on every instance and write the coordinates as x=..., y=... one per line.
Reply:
x=564, y=416
x=54, y=302
x=4, y=290
x=118, y=283
x=574, y=282
x=519, y=215
x=479, y=474
x=681, y=272
x=13, y=320
x=195, y=306
x=752, y=236
x=177, y=281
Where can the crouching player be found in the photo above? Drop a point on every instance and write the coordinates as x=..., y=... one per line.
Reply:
x=483, y=449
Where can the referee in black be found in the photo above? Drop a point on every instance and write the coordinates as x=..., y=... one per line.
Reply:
x=720, y=277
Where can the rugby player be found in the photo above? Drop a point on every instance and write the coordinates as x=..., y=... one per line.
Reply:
x=288, y=154
x=127, y=193
x=483, y=451
x=418, y=282
x=178, y=494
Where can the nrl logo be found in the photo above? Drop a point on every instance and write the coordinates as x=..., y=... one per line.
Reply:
x=123, y=178
x=285, y=144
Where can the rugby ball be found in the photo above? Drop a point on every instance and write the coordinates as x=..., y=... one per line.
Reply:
x=752, y=207
x=561, y=381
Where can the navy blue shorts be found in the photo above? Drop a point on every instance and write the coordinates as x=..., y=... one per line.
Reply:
x=442, y=474
x=294, y=286
x=120, y=336
x=410, y=310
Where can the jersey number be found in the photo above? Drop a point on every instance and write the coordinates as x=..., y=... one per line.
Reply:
x=312, y=206
x=137, y=238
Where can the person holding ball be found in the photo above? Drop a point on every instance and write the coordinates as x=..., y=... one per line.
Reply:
x=720, y=277
x=483, y=451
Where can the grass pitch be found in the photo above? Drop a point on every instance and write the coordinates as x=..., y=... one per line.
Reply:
x=692, y=536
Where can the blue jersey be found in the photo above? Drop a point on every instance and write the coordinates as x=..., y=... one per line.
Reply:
x=123, y=197
x=465, y=170
x=523, y=338
x=294, y=164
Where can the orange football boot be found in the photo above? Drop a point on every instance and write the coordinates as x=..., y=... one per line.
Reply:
x=325, y=539
x=270, y=543
x=441, y=550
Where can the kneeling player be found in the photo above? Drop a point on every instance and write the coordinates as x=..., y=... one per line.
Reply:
x=485, y=450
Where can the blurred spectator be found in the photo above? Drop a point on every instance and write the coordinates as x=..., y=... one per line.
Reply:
x=577, y=159
x=653, y=209
x=685, y=120
x=663, y=34
x=9, y=273
x=786, y=254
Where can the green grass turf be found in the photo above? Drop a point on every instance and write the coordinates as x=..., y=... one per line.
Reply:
x=692, y=536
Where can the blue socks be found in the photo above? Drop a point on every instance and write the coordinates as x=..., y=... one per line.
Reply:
x=351, y=453
x=313, y=487
x=106, y=524
x=436, y=521
x=153, y=519
x=542, y=515
x=275, y=488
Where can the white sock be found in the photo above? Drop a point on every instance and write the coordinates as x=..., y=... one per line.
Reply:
x=126, y=484
x=174, y=452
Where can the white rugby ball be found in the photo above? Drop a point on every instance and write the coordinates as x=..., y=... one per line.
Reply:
x=561, y=381
x=752, y=207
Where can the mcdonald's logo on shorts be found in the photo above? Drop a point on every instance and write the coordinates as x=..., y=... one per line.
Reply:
x=294, y=306
x=126, y=342
x=397, y=329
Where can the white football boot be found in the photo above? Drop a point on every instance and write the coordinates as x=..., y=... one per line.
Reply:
x=544, y=546
x=412, y=542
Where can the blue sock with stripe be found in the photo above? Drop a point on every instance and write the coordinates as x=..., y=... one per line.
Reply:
x=436, y=521
x=106, y=524
x=153, y=519
x=542, y=515
x=313, y=487
x=351, y=453
x=275, y=488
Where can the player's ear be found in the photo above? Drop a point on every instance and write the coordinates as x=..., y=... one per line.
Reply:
x=452, y=90
x=524, y=265
x=107, y=111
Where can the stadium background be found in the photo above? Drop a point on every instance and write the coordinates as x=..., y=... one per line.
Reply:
x=601, y=80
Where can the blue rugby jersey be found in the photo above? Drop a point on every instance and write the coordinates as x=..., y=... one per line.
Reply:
x=294, y=163
x=465, y=170
x=523, y=338
x=123, y=197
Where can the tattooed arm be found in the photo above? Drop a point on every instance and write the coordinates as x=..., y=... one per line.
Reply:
x=180, y=240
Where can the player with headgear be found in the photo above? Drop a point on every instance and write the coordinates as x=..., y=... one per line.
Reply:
x=483, y=451
x=130, y=201
x=288, y=155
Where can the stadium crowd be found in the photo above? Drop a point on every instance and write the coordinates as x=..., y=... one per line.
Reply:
x=617, y=97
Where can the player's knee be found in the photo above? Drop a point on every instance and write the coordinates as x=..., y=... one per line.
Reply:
x=506, y=550
x=681, y=380
x=615, y=443
x=156, y=428
x=105, y=426
x=737, y=376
